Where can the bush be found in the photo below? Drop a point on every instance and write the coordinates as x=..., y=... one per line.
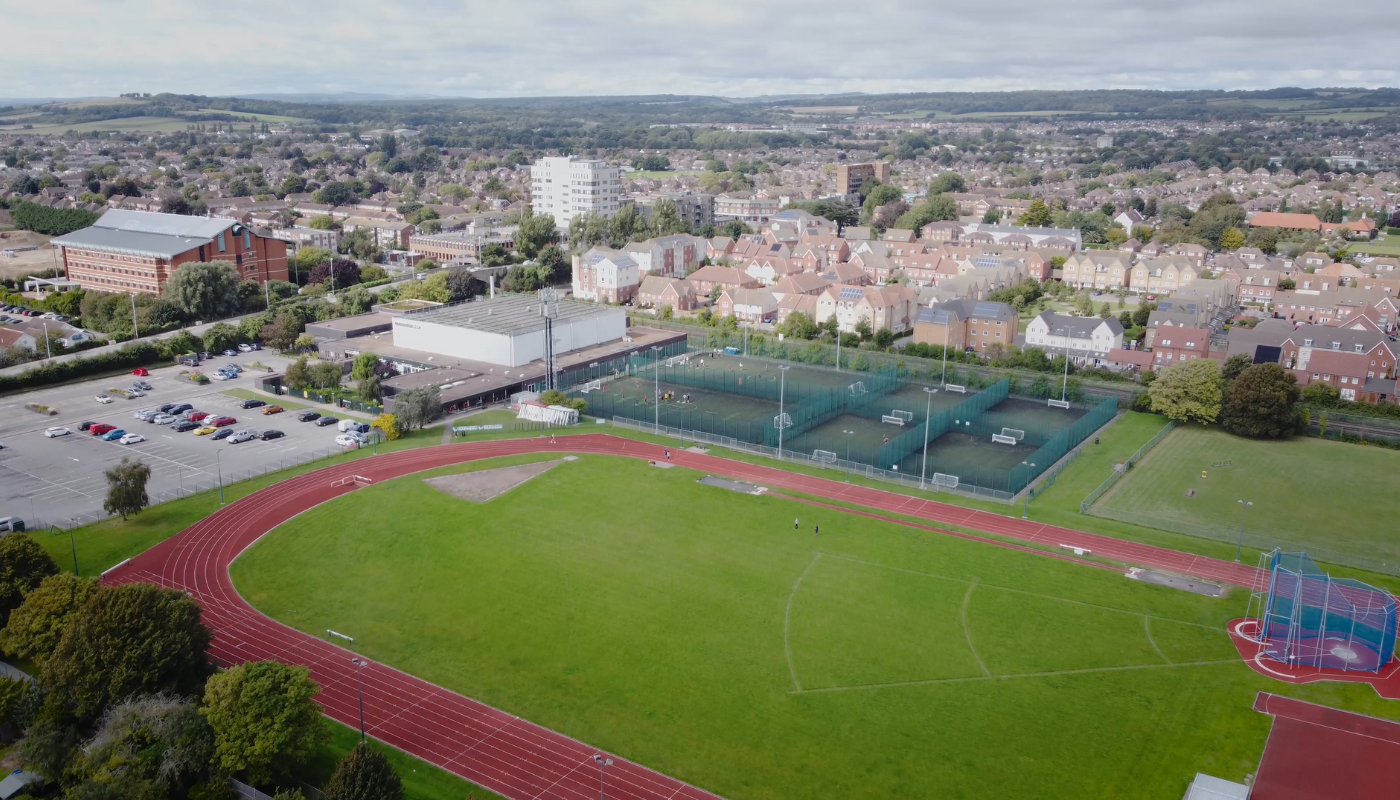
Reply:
x=388, y=424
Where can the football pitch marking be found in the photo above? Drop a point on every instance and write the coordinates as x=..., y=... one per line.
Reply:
x=986, y=675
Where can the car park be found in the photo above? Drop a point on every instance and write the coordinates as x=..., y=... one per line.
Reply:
x=205, y=431
x=165, y=409
x=222, y=433
x=142, y=385
x=351, y=440
x=196, y=416
x=268, y=436
x=308, y=416
x=101, y=428
x=132, y=438
x=134, y=392
x=273, y=410
x=242, y=436
x=251, y=403
x=8, y=524
x=103, y=399
x=113, y=435
x=56, y=431
x=145, y=414
x=324, y=421
x=220, y=376
x=184, y=425
x=164, y=419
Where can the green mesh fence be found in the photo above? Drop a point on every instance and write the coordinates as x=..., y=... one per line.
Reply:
x=1061, y=443
x=902, y=446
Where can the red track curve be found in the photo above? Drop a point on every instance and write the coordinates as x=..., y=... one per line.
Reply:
x=496, y=750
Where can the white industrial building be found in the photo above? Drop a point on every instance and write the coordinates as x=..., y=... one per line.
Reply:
x=567, y=186
x=508, y=330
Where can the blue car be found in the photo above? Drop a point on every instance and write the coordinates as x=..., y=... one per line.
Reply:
x=112, y=436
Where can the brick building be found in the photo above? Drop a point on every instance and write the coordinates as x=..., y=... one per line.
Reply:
x=136, y=252
x=850, y=177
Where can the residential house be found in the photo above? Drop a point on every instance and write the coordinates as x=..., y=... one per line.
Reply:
x=1190, y=251
x=1174, y=345
x=789, y=303
x=709, y=278
x=1171, y=319
x=1316, y=352
x=10, y=337
x=1162, y=275
x=606, y=275
x=799, y=283
x=768, y=270
x=1087, y=340
x=1099, y=269
x=748, y=305
x=1296, y=222
x=658, y=292
x=967, y=325
x=668, y=256
x=851, y=274
x=884, y=307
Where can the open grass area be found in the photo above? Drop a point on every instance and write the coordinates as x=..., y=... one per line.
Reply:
x=694, y=630
x=1307, y=492
x=421, y=780
x=147, y=124
x=1389, y=246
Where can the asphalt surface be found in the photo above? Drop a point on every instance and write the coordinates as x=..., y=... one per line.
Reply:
x=60, y=480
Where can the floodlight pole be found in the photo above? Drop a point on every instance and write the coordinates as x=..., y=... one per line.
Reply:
x=1026, y=507
x=603, y=764
x=945, y=348
x=782, y=386
x=1240, y=544
x=838, y=348
x=72, y=522
x=48, y=352
x=1064, y=386
x=135, y=333
x=928, y=416
x=848, y=454
x=218, y=460
x=656, y=375
x=360, y=690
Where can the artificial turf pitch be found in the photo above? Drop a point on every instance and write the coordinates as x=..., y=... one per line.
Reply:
x=694, y=630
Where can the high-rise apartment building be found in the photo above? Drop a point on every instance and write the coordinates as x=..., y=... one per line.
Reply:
x=849, y=177
x=567, y=187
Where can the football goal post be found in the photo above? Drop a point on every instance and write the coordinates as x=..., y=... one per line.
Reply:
x=944, y=481
x=591, y=385
x=857, y=389
x=678, y=361
x=824, y=456
x=953, y=387
x=892, y=419
x=1013, y=433
x=1058, y=403
x=999, y=439
x=782, y=421
x=907, y=416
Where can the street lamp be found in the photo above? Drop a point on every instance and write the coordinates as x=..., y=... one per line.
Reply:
x=656, y=375
x=782, y=386
x=928, y=416
x=848, y=454
x=1026, y=507
x=603, y=764
x=72, y=523
x=947, y=322
x=218, y=460
x=360, y=690
x=1240, y=545
x=1064, y=387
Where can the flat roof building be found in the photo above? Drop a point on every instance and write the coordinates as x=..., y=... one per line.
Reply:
x=507, y=330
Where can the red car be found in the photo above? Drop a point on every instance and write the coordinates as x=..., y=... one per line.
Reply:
x=141, y=372
x=101, y=428
x=196, y=416
x=219, y=422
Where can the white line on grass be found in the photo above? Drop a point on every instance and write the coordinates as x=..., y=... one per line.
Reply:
x=967, y=631
x=979, y=678
x=1147, y=629
x=787, y=621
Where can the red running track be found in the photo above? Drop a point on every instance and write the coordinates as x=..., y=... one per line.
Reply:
x=496, y=750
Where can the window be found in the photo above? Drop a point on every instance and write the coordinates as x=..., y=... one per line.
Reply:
x=221, y=242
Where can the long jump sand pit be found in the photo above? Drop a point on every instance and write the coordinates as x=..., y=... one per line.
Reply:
x=488, y=484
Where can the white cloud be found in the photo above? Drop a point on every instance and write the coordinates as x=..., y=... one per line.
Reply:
x=728, y=47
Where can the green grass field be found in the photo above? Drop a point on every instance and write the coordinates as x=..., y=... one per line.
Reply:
x=1390, y=246
x=147, y=124
x=1317, y=494
x=694, y=630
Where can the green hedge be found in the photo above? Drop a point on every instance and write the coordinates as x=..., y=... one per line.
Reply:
x=50, y=221
x=130, y=356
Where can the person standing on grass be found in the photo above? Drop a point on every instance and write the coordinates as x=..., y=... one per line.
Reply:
x=796, y=522
x=816, y=530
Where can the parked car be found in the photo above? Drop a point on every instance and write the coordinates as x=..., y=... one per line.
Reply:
x=324, y=421
x=142, y=385
x=86, y=425
x=56, y=431
x=220, y=376
x=141, y=372
x=101, y=428
x=145, y=414
x=350, y=440
x=273, y=410
x=134, y=392
x=205, y=431
x=165, y=409
x=196, y=416
x=359, y=427
x=270, y=435
x=346, y=424
x=132, y=438
x=222, y=433
x=245, y=348
x=242, y=436
x=308, y=416
x=184, y=425
x=251, y=403
x=232, y=367
x=230, y=352
x=220, y=421
x=8, y=524
x=113, y=435
x=104, y=399
x=181, y=408
x=164, y=419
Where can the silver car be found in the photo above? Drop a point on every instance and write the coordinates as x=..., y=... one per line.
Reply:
x=145, y=414
x=242, y=436
x=164, y=419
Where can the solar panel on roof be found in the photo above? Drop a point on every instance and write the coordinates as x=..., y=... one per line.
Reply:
x=986, y=310
x=850, y=294
x=987, y=263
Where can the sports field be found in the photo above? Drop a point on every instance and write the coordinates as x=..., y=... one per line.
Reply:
x=694, y=630
x=1321, y=495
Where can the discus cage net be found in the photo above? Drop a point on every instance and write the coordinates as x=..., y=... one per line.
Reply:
x=1306, y=617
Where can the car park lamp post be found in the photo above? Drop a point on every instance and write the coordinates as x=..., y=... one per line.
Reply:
x=603, y=764
x=360, y=691
x=1025, y=507
x=1240, y=544
x=218, y=460
x=73, y=523
x=849, y=434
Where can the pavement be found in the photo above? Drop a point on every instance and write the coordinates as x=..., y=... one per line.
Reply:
x=60, y=480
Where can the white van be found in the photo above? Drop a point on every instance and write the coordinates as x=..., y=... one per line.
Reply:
x=346, y=424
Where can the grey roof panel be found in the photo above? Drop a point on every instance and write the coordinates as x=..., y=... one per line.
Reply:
x=134, y=243
x=165, y=224
x=508, y=315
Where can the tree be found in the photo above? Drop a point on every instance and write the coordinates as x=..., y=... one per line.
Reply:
x=947, y=182
x=146, y=747
x=535, y=234
x=342, y=272
x=37, y=625
x=462, y=285
x=127, y=640
x=282, y=332
x=264, y=718
x=666, y=218
x=323, y=222
x=798, y=325
x=1262, y=403
x=324, y=375
x=936, y=209
x=336, y=194
x=1234, y=365
x=126, y=488
x=297, y=375
x=356, y=300
x=1191, y=391
x=1232, y=239
x=417, y=407
x=1037, y=216
x=879, y=196
x=308, y=258
x=370, y=390
x=364, y=774
x=23, y=566
x=363, y=366
x=204, y=290
x=220, y=336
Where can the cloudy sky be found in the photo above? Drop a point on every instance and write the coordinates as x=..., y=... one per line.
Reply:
x=506, y=48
